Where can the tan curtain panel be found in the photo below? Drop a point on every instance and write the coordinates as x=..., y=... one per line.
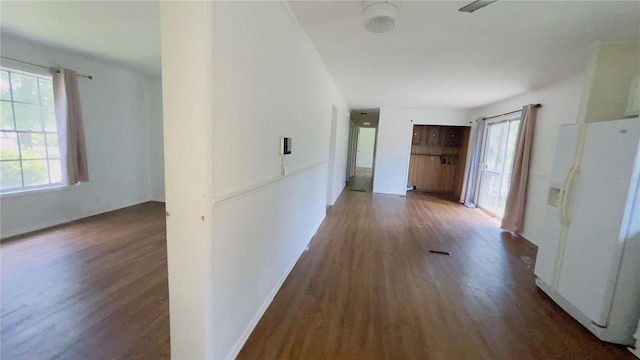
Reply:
x=73, y=149
x=469, y=189
x=514, y=208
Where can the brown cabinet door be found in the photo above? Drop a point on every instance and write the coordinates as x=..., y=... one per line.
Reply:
x=452, y=136
x=432, y=135
x=447, y=175
x=424, y=172
x=417, y=135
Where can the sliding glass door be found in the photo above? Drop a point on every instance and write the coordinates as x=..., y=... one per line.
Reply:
x=500, y=140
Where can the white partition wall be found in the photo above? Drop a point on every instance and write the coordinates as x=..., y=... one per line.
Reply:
x=187, y=41
x=237, y=223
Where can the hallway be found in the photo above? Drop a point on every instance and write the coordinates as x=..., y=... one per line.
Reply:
x=368, y=288
x=362, y=181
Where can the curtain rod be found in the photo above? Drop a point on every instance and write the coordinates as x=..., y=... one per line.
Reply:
x=511, y=112
x=90, y=77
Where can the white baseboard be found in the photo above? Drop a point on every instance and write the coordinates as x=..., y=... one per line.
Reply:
x=635, y=352
x=33, y=228
x=48, y=224
x=235, y=350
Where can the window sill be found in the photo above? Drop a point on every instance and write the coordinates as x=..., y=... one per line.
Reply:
x=40, y=190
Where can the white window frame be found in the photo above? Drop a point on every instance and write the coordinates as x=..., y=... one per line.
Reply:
x=50, y=185
x=510, y=118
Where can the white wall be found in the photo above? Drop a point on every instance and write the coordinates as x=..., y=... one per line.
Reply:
x=560, y=105
x=332, y=155
x=256, y=79
x=156, y=139
x=340, y=156
x=366, y=144
x=394, y=143
x=610, y=70
x=187, y=40
x=116, y=105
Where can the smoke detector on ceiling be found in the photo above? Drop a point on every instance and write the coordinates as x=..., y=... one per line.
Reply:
x=379, y=16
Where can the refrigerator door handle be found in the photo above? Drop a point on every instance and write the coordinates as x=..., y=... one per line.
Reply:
x=561, y=199
x=567, y=186
x=564, y=198
x=564, y=222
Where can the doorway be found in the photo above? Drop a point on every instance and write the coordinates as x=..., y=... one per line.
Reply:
x=364, y=152
x=361, y=163
x=436, y=162
x=500, y=139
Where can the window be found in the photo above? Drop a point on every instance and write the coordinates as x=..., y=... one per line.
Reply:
x=29, y=152
x=500, y=141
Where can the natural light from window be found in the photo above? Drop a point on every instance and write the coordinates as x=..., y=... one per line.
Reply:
x=29, y=151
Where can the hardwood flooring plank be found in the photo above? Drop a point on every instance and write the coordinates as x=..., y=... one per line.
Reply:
x=92, y=289
x=368, y=288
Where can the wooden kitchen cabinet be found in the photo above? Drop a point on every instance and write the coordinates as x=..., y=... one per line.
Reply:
x=452, y=136
x=437, y=158
x=432, y=136
x=417, y=135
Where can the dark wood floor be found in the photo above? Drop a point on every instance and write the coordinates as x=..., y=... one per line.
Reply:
x=364, y=172
x=362, y=181
x=366, y=289
x=369, y=289
x=93, y=289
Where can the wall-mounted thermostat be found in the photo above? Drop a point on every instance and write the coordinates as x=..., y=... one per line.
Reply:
x=285, y=145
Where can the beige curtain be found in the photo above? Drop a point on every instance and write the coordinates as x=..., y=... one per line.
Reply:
x=73, y=149
x=469, y=184
x=514, y=208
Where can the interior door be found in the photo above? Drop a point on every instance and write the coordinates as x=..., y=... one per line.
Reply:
x=366, y=143
x=497, y=161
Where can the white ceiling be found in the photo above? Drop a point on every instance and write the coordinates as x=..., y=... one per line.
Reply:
x=436, y=57
x=123, y=32
x=439, y=57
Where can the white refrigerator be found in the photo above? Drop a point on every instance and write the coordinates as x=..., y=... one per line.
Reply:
x=589, y=259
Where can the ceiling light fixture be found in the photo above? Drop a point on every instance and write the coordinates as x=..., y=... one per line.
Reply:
x=379, y=16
